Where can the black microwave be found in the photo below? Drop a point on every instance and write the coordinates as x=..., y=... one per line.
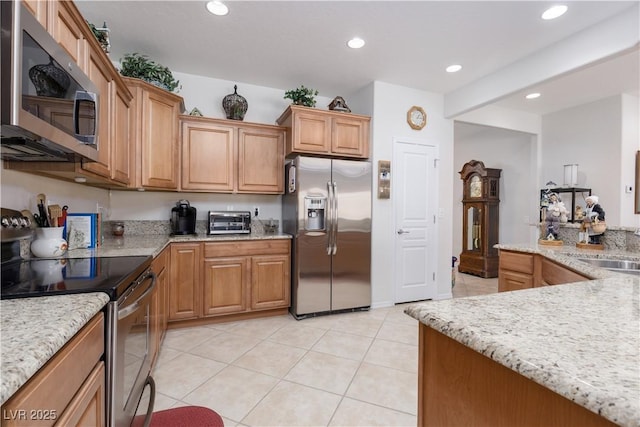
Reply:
x=49, y=106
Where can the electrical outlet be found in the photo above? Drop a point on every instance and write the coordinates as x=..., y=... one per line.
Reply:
x=628, y=189
x=256, y=211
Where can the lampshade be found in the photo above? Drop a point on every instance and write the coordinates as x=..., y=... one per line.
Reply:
x=570, y=175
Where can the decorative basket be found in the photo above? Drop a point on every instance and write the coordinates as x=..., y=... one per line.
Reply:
x=598, y=227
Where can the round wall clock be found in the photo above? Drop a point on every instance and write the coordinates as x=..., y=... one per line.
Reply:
x=416, y=117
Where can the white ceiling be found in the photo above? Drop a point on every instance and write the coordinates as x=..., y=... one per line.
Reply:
x=283, y=44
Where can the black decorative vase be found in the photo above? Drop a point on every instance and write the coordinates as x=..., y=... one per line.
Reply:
x=235, y=106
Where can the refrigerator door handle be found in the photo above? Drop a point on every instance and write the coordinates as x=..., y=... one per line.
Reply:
x=335, y=218
x=329, y=217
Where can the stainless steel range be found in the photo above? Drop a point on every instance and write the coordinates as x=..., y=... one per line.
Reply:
x=128, y=281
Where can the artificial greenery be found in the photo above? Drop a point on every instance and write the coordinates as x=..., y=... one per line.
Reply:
x=302, y=96
x=100, y=35
x=141, y=67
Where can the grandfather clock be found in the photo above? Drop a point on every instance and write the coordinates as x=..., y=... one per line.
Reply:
x=480, y=200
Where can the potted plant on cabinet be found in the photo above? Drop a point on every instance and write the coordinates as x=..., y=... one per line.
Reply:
x=302, y=96
x=141, y=67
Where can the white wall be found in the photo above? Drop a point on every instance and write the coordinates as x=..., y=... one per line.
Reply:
x=391, y=103
x=630, y=145
x=19, y=192
x=589, y=135
x=499, y=149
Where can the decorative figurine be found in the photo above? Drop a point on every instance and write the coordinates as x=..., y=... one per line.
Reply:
x=339, y=104
x=593, y=225
x=235, y=106
x=555, y=213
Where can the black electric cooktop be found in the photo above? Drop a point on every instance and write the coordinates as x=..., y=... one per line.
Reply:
x=37, y=277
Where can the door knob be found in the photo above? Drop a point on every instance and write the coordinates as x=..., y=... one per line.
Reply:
x=401, y=231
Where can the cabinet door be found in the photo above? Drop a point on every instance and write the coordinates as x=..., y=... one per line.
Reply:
x=225, y=285
x=66, y=28
x=260, y=161
x=184, y=286
x=311, y=132
x=513, y=281
x=38, y=8
x=100, y=76
x=88, y=405
x=159, y=306
x=270, y=282
x=121, y=126
x=350, y=136
x=208, y=156
x=159, y=141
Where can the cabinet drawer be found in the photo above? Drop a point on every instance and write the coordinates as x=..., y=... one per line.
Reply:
x=513, y=261
x=512, y=281
x=246, y=248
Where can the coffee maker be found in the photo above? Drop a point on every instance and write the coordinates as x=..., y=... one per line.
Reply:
x=183, y=218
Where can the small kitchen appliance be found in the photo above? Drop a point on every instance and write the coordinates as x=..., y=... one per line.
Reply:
x=183, y=218
x=229, y=222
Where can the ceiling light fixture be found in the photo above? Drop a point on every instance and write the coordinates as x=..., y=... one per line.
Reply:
x=454, y=68
x=554, y=11
x=533, y=95
x=217, y=8
x=355, y=43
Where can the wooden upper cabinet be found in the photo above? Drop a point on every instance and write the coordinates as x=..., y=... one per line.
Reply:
x=260, y=160
x=120, y=131
x=99, y=73
x=226, y=156
x=39, y=9
x=325, y=132
x=208, y=155
x=66, y=24
x=155, y=133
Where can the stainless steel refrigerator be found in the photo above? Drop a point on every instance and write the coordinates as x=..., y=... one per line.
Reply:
x=327, y=209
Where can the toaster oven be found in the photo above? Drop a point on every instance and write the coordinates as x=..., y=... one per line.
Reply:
x=229, y=222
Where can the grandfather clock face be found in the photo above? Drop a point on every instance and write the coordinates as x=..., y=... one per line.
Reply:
x=475, y=186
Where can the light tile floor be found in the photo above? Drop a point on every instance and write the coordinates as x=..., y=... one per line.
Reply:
x=352, y=369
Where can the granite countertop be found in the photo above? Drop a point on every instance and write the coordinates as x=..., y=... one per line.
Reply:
x=580, y=340
x=34, y=329
x=153, y=244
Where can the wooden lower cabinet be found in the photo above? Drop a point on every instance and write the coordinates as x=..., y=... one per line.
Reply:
x=225, y=286
x=519, y=270
x=458, y=386
x=160, y=301
x=184, y=285
x=69, y=390
x=229, y=278
x=270, y=281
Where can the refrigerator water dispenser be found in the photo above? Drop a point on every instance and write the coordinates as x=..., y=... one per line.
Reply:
x=314, y=208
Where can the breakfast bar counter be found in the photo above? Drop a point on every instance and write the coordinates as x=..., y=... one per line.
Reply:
x=579, y=340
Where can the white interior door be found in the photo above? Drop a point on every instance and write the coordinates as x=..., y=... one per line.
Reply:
x=415, y=198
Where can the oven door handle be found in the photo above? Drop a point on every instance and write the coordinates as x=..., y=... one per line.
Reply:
x=131, y=308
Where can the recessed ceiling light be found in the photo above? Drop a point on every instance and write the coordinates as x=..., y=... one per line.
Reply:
x=217, y=8
x=554, y=11
x=454, y=68
x=355, y=43
x=533, y=95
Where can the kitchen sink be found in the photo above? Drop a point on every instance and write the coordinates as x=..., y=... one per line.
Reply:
x=622, y=266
